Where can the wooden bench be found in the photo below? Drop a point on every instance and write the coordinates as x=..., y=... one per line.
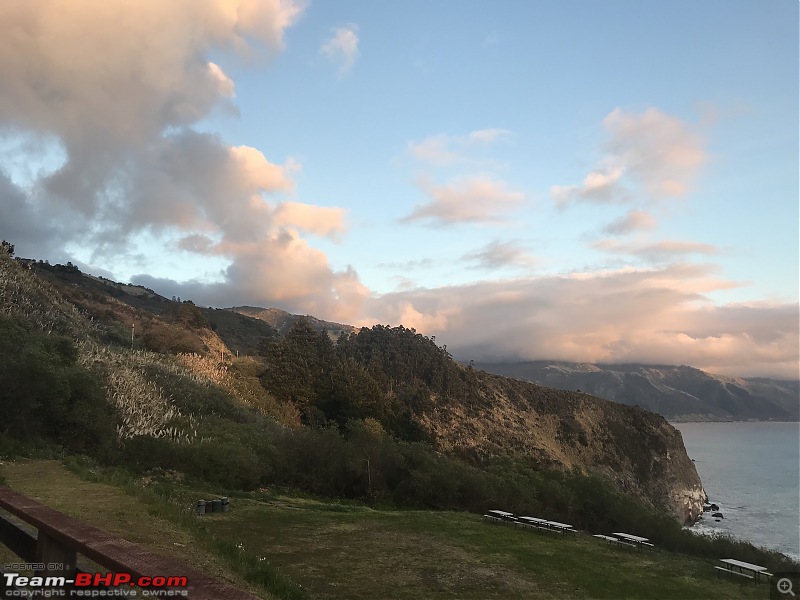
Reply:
x=61, y=538
x=729, y=571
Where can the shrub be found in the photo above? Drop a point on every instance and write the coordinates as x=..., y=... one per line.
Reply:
x=45, y=393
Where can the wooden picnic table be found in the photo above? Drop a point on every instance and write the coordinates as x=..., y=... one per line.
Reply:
x=742, y=569
x=635, y=539
x=500, y=516
x=560, y=527
x=613, y=540
x=532, y=520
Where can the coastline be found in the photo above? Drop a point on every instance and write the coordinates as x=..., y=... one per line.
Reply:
x=751, y=470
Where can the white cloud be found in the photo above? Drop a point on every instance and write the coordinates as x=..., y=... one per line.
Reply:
x=500, y=255
x=279, y=269
x=342, y=48
x=444, y=150
x=488, y=136
x=470, y=200
x=662, y=251
x=324, y=221
x=434, y=150
x=633, y=220
x=652, y=153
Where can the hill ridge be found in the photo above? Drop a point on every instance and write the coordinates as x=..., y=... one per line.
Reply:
x=679, y=393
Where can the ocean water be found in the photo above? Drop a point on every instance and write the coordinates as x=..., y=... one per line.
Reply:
x=752, y=471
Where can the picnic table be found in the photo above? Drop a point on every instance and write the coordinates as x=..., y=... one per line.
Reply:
x=742, y=569
x=561, y=527
x=613, y=540
x=531, y=521
x=638, y=541
x=500, y=513
x=500, y=516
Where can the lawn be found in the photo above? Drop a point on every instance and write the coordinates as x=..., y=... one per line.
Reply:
x=342, y=551
x=337, y=551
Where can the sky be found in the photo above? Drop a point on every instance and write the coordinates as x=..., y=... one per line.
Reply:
x=596, y=181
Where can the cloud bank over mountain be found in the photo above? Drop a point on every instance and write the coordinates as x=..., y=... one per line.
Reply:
x=658, y=315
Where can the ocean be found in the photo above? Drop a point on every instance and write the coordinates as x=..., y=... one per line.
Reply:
x=752, y=471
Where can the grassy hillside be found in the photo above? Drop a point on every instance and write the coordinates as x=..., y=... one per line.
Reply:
x=331, y=550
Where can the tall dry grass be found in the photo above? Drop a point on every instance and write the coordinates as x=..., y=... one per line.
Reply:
x=145, y=408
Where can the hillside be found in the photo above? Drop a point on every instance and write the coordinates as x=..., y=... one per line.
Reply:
x=282, y=321
x=169, y=371
x=679, y=393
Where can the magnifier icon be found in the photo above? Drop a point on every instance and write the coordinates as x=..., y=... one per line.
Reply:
x=784, y=586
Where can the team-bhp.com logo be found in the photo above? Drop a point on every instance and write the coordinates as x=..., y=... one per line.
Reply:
x=94, y=585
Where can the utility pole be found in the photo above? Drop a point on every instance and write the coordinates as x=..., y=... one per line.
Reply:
x=133, y=329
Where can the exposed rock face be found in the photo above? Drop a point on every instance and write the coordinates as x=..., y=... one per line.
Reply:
x=639, y=451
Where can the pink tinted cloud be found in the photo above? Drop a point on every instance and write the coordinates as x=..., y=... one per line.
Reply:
x=656, y=153
x=500, y=254
x=324, y=221
x=444, y=150
x=468, y=200
x=632, y=221
x=661, y=251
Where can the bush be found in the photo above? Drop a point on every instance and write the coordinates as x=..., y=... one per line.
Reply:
x=45, y=393
x=167, y=338
x=225, y=463
x=195, y=397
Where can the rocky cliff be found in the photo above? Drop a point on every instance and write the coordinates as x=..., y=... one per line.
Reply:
x=638, y=450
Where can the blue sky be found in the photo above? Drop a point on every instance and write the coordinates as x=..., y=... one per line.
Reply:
x=547, y=75
x=595, y=181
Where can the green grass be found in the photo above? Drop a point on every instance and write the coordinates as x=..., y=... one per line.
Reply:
x=300, y=547
x=114, y=503
x=365, y=554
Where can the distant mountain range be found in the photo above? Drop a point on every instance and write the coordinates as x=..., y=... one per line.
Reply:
x=679, y=393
